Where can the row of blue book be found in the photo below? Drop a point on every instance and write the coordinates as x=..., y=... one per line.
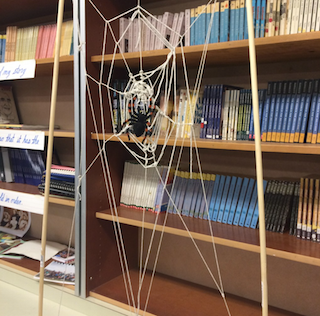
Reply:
x=21, y=165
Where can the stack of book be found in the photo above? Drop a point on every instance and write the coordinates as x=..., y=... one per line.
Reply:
x=21, y=165
x=35, y=42
x=228, y=23
x=144, y=189
x=61, y=181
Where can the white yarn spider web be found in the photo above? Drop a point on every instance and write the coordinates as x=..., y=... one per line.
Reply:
x=139, y=97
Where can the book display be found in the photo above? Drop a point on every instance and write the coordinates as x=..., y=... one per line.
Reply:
x=225, y=148
x=25, y=112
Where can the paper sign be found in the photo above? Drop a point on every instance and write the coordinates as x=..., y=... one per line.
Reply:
x=22, y=201
x=23, y=69
x=22, y=139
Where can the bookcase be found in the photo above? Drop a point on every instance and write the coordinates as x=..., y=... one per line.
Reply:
x=33, y=99
x=181, y=285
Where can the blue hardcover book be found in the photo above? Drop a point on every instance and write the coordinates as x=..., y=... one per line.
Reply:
x=216, y=24
x=227, y=20
x=4, y=43
x=241, y=201
x=251, y=131
x=182, y=191
x=229, y=199
x=301, y=110
x=255, y=215
x=237, y=21
x=197, y=189
x=209, y=15
x=291, y=110
x=1, y=41
x=258, y=19
x=188, y=197
x=205, y=213
x=206, y=182
x=222, y=22
x=286, y=111
x=262, y=96
x=277, y=111
x=192, y=26
x=254, y=13
x=266, y=112
x=201, y=25
x=305, y=116
x=224, y=198
x=210, y=112
x=245, y=30
x=246, y=203
x=232, y=19
x=241, y=19
x=296, y=111
x=218, y=198
x=272, y=110
x=214, y=196
x=282, y=111
x=235, y=200
x=312, y=111
x=252, y=205
x=263, y=17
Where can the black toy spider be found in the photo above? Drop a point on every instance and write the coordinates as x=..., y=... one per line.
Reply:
x=139, y=123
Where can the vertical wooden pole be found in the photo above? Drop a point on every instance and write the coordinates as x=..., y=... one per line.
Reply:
x=49, y=151
x=258, y=155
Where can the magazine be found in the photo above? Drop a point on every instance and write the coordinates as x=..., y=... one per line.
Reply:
x=65, y=256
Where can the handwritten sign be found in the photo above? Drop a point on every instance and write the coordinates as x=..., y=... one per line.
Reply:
x=17, y=70
x=22, y=201
x=22, y=139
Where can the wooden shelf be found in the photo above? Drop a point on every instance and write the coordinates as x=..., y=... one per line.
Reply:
x=45, y=66
x=191, y=298
x=278, y=245
x=268, y=50
x=31, y=189
x=288, y=148
x=61, y=133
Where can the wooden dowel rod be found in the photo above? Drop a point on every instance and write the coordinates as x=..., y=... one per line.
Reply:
x=258, y=156
x=49, y=152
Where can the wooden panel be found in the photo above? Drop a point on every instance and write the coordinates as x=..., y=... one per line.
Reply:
x=170, y=297
x=288, y=47
x=279, y=245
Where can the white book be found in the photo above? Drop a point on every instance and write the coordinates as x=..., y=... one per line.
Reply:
x=278, y=17
x=225, y=114
x=174, y=28
x=152, y=33
x=123, y=37
x=314, y=15
x=231, y=115
x=236, y=112
x=166, y=28
x=272, y=17
x=180, y=27
x=124, y=186
x=318, y=18
x=289, y=15
x=295, y=17
x=135, y=44
x=305, y=16
x=130, y=41
x=301, y=15
x=183, y=93
x=308, y=28
x=185, y=107
x=283, y=17
x=157, y=40
x=147, y=34
x=187, y=27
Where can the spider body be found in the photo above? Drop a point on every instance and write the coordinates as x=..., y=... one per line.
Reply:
x=139, y=122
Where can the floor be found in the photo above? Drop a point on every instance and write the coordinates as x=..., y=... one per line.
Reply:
x=17, y=302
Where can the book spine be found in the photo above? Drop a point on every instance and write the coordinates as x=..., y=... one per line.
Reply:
x=283, y=17
x=241, y=201
x=318, y=18
x=263, y=18
x=214, y=196
x=251, y=207
x=246, y=203
x=309, y=210
x=301, y=15
x=277, y=111
x=296, y=111
x=187, y=23
x=237, y=21
x=300, y=209
x=305, y=209
x=315, y=129
x=218, y=198
x=225, y=111
x=289, y=16
x=266, y=112
x=241, y=19
x=305, y=117
x=235, y=200
x=281, y=112
x=315, y=210
x=224, y=199
x=229, y=199
x=272, y=110
x=286, y=112
x=314, y=15
x=300, y=111
x=255, y=215
x=211, y=179
x=258, y=19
